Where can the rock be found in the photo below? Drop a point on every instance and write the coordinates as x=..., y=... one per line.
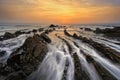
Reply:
x=28, y=32
x=1, y=38
x=111, y=54
x=89, y=58
x=17, y=33
x=88, y=29
x=105, y=74
x=117, y=28
x=49, y=30
x=79, y=72
x=64, y=77
x=108, y=32
x=20, y=75
x=75, y=35
x=2, y=53
x=68, y=44
x=46, y=32
x=98, y=30
x=34, y=31
x=45, y=38
x=8, y=35
x=66, y=33
x=41, y=29
x=81, y=28
x=105, y=51
x=33, y=52
x=52, y=26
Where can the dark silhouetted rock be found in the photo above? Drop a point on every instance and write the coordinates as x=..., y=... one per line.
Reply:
x=98, y=30
x=105, y=74
x=2, y=53
x=66, y=33
x=111, y=54
x=41, y=29
x=28, y=32
x=45, y=38
x=75, y=35
x=88, y=29
x=108, y=32
x=52, y=26
x=8, y=35
x=34, y=31
x=79, y=72
x=46, y=31
x=21, y=65
x=89, y=58
x=17, y=33
x=20, y=75
x=81, y=28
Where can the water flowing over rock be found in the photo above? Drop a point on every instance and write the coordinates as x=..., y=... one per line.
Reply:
x=88, y=29
x=8, y=35
x=112, y=33
x=52, y=26
x=19, y=66
x=45, y=38
x=60, y=53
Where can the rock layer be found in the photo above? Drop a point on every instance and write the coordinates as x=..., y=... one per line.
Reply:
x=19, y=66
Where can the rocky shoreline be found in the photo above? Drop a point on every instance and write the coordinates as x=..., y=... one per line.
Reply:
x=19, y=66
x=106, y=52
x=25, y=60
x=108, y=32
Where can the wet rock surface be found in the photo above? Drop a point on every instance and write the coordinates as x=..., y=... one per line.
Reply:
x=52, y=26
x=64, y=77
x=9, y=35
x=45, y=38
x=67, y=59
x=67, y=43
x=41, y=29
x=105, y=51
x=19, y=66
x=2, y=53
x=79, y=73
x=88, y=29
x=34, y=30
x=105, y=75
x=108, y=32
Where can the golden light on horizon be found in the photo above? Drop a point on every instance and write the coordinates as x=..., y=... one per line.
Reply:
x=63, y=12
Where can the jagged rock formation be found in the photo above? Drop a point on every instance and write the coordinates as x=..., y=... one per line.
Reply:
x=103, y=50
x=70, y=57
x=19, y=66
x=114, y=32
x=8, y=35
x=88, y=29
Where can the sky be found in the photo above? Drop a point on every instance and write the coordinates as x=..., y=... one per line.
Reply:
x=60, y=11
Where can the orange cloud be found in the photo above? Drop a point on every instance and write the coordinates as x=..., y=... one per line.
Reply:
x=63, y=12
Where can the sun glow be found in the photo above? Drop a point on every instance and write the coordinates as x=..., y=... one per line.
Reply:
x=59, y=11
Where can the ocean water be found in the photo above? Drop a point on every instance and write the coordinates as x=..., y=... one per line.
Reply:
x=28, y=27
x=14, y=28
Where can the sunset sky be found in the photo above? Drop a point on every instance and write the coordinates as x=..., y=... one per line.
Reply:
x=60, y=11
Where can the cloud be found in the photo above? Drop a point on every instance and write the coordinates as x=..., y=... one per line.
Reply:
x=60, y=11
x=106, y=2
